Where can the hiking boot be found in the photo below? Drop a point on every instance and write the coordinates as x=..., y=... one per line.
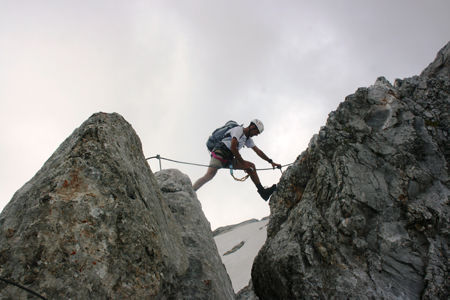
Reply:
x=265, y=193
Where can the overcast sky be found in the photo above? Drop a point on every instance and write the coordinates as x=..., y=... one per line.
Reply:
x=176, y=70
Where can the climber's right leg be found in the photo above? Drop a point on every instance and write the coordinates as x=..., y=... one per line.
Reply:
x=210, y=173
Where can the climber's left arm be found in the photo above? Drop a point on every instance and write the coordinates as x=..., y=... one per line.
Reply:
x=265, y=157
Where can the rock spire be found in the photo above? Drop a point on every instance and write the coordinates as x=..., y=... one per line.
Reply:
x=364, y=211
x=93, y=224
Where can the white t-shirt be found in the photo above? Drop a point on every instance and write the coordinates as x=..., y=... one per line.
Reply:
x=238, y=133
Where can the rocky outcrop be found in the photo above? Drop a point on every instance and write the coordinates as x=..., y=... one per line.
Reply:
x=364, y=211
x=206, y=277
x=93, y=224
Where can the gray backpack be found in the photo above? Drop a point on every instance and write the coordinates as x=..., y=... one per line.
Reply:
x=218, y=135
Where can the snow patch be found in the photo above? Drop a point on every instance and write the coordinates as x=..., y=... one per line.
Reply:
x=245, y=241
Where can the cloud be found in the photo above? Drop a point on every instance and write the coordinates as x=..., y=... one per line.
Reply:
x=176, y=70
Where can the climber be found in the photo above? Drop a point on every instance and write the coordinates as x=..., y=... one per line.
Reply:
x=226, y=154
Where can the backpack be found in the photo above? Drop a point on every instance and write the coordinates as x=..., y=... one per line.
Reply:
x=217, y=136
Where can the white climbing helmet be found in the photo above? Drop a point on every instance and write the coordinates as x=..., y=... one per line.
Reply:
x=258, y=124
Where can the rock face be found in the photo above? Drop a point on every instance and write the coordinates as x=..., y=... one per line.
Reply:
x=206, y=277
x=364, y=211
x=93, y=224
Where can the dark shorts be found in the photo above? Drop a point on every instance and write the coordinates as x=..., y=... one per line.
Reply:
x=224, y=157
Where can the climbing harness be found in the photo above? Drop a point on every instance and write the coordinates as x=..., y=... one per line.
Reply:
x=159, y=158
x=222, y=160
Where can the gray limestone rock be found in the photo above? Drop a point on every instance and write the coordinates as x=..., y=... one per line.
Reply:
x=206, y=277
x=93, y=224
x=364, y=211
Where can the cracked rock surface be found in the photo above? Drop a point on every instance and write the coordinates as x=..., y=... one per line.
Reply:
x=206, y=277
x=93, y=224
x=364, y=211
